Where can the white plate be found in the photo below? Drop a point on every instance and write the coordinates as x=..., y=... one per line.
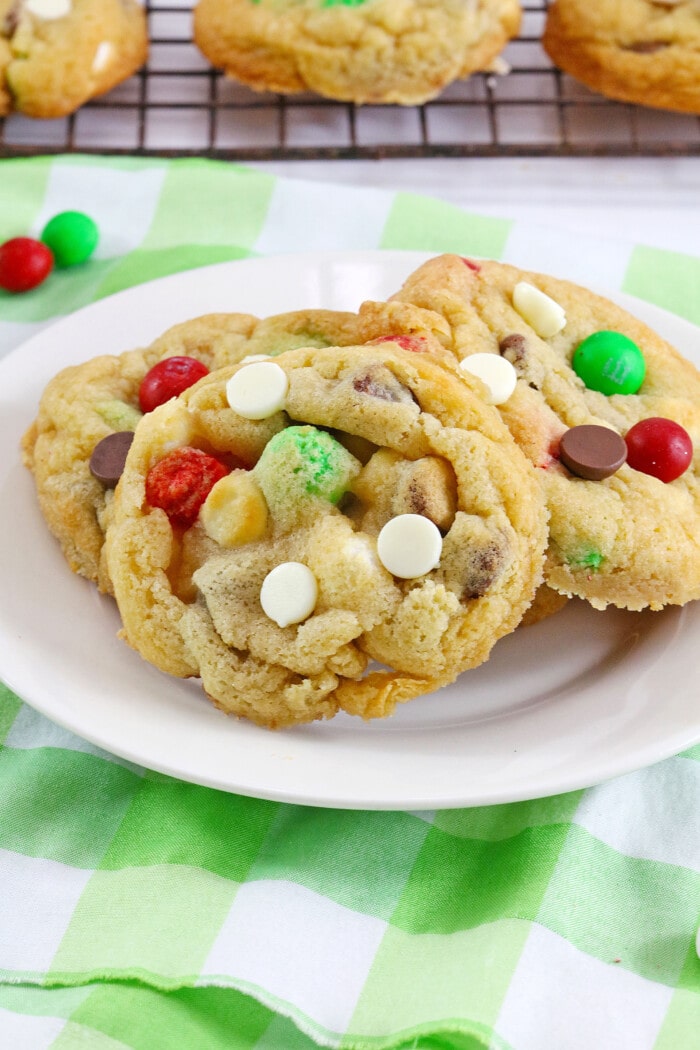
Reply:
x=577, y=699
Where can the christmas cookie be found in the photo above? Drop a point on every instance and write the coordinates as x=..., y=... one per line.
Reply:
x=354, y=50
x=57, y=54
x=644, y=51
x=76, y=446
x=605, y=410
x=284, y=523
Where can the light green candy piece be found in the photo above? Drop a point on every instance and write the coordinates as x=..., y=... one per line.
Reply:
x=118, y=415
x=303, y=471
x=589, y=559
x=294, y=341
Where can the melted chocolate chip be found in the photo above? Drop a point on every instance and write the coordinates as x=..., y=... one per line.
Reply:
x=9, y=26
x=646, y=47
x=513, y=347
x=485, y=566
x=109, y=456
x=592, y=452
x=383, y=384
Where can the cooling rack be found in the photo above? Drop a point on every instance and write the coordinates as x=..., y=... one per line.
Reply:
x=179, y=106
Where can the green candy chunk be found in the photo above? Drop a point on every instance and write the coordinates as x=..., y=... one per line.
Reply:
x=590, y=559
x=303, y=471
x=118, y=415
x=71, y=236
x=610, y=363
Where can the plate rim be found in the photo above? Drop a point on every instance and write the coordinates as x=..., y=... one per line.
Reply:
x=418, y=801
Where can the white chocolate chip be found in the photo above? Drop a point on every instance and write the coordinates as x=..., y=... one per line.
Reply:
x=409, y=546
x=254, y=357
x=288, y=594
x=258, y=390
x=103, y=56
x=542, y=313
x=495, y=372
x=48, y=9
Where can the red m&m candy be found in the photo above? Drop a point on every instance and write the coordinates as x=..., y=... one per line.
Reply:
x=168, y=379
x=24, y=264
x=181, y=481
x=659, y=447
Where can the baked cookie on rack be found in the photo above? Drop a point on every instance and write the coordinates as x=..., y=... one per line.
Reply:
x=76, y=446
x=364, y=51
x=603, y=407
x=643, y=51
x=283, y=523
x=57, y=54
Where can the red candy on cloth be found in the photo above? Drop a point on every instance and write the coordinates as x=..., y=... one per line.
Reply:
x=181, y=481
x=24, y=264
x=659, y=447
x=169, y=378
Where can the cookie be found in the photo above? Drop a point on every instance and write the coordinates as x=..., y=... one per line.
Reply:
x=643, y=51
x=282, y=525
x=88, y=403
x=365, y=51
x=57, y=54
x=623, y=497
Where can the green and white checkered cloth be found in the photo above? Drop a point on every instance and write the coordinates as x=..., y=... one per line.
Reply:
x=141, y=913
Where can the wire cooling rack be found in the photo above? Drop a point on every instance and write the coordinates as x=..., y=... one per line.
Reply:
x=179, y=106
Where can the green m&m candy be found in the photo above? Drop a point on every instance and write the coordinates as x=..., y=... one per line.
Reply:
x=610, y=363
x=71, y=236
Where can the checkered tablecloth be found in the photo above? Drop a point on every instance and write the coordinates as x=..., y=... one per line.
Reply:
x=138, y=912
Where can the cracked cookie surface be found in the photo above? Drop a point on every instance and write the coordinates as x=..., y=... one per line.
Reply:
x=87, y=402
x=280, y=593
x=643, y=51
x=365, y=51
x=629, y=539
x=57, y=54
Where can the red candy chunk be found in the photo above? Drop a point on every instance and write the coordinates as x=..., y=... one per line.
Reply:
x=417, y=344
x=471, y=264
x=659, y=447
x=167, y=379
x=24, y=263
x=181, y=481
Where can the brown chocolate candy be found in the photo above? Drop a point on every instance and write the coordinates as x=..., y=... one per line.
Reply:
x=592, y=452
x=109, y=456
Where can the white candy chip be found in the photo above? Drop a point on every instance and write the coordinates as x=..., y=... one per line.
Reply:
x=409, y=546
x=542, y=313
x=48, y=9
x=495, y=372
x=258, y=390
x=104, y=56
x=255, y=357
x=289, y=593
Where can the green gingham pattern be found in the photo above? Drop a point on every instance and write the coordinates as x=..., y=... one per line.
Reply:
x=141, y=913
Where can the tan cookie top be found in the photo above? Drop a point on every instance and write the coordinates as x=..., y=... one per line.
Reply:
x=282, y=524
x=57, y=54
x=361, y=51
x=630, y=538
x=86, y=403
x=645, y=51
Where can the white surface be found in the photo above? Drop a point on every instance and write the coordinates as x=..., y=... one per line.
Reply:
x=574, y=700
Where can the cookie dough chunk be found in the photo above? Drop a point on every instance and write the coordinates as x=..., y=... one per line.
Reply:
x=57, y=54
x=87, y=403
x=378, y=510
x=624, y=535
x=644, y=51
x=375, y=51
